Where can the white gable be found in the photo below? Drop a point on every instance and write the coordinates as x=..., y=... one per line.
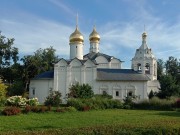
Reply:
x=101, y=59
x=62, y=62
x=115, y=61
x=89, y=63
x=75, y=63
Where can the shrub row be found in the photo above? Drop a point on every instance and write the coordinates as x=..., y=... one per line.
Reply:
x=36, y=109
x=13, y=110
x=157, y=104
x=94, y=103
x=66, y=109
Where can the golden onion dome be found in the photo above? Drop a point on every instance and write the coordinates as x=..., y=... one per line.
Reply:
x=94, y=36
x=76, y=36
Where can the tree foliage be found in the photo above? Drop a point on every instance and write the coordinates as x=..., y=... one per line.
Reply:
x=169, y=87
x=8, y=57
x=17, y=88
x=80, y=91
x=42, y=60
x=7, y=51
x=160, y=68
x=3, y=90
x=151, y=94
x=169, y=78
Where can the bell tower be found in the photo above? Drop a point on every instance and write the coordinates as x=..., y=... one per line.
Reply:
x=144, y=61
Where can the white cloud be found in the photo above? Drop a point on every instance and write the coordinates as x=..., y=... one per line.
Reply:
x=41, y=34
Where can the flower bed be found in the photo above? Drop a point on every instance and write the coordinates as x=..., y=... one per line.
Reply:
x=21, y=102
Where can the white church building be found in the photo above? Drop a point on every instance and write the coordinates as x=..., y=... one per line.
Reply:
x=101, y=71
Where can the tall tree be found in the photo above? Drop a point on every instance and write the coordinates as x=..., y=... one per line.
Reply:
x=169, y=77
x=8, y=53
x=42, y=60
x=160, y=68
x=173, y=68
x=168, y=87
x=8, y=57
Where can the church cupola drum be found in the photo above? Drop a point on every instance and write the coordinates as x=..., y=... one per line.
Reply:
x=76, y=41
x=94, y=39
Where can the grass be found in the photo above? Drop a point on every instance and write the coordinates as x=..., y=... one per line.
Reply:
x=44, y=123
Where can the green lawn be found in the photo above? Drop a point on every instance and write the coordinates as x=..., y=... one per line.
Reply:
x=53, y=121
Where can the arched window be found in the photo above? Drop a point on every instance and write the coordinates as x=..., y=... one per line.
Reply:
x=139, y=66
x=147, y=68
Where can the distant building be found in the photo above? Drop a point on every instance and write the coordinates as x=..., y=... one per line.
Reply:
x=101, y=71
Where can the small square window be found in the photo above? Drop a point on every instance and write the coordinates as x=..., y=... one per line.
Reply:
x=33, y=91
x=117, y=93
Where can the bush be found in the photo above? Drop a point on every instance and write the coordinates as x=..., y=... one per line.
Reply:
x=3, y=91
x=2, y=101
x=128, y=102
x=86, y=108
x=54, y=99
x=70, y=109
x=43, y=109
x=155, y=104
x=178, y=103
x=21, y=102
x=59, y=110
x=94, y=103
x=77, y=103
x=27, y=109
x=32, y=102
x=104, y=95
x=11, y=111
x=16, y=101
x=34, y=109
x=80, y=91
x=49, y=107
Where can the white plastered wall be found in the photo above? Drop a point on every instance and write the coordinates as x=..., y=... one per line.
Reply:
x=41, y=89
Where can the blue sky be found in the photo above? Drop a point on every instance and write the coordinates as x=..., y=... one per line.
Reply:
x=42, y=23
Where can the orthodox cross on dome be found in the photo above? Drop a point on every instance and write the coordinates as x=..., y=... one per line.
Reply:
x=77, y=20
x=144, y=35
x=144, y=28
x=94, y=27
